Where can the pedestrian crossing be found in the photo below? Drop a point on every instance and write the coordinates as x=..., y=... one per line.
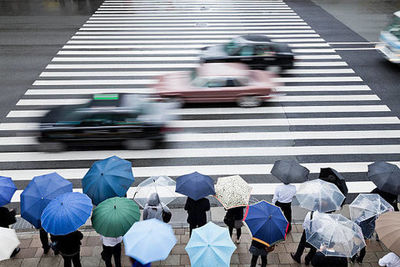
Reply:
x=323, y=114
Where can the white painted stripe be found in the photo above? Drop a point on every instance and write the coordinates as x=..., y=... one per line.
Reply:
x=237, y=111
x=190, y=24
x=162, y=13
x=352, y=43
x=313, y=50
x=295, y=40
x=310, y=37
x=213, y=152
x=125, y=59
x=29, y=126
x=319, y=79
x=189, y=20
x=179, y=29
x=318, y=57
x=197, y=32
x=129, y=52
x=204, y=16
x=318, y=71
x=309, y=45
x=49, y=102
x=196, y=9
x=320, y=64
x=356, y=48
x=327, y=88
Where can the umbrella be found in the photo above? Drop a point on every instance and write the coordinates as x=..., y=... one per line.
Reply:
x=334, y=235
x=66, y=213
x=164, y=186
x=38, y=194
x=113, y=217
x=388, y=229
x=7, y=190
x=232, y=191
x=195, y=185
x=318, y=195
x=266, y=222
x=110, y=177
x=9, y=242
x=332, y=176
x=210, y=245
x=386, y=176
x=290, y=171
x=149, y=240
x=366, y=206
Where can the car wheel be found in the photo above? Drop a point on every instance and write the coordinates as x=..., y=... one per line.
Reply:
x=52, y=147
x=249, y=101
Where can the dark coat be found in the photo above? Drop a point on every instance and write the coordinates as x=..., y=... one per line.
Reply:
x=232, y=215
x=68, y=244
x=196, y=210
x=390, y=198
x=7, y=217
x=320, y=260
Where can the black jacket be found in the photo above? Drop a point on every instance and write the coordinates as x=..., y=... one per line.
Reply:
x=196, y=210
x=7, y=217
x=390, y=198
x=320, y=260
x=68, y=244
x=232, y=215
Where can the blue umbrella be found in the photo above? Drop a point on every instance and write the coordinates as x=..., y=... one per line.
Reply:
x=195, y=185
x=266, y=222
x=7, y=190
x=66, y=213
x=210, y=245
x=38, y=194
x=149, y=240
x=107, y=178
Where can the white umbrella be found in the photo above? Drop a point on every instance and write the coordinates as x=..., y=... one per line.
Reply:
x=232, y=191
x=9, y=242
x=318, y=195
x=164, y=186
x=366, y=206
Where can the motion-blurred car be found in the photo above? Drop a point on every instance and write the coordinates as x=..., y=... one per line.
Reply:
x=108, y=119
x=390, y=40
x=256, y=51
x=218, y=82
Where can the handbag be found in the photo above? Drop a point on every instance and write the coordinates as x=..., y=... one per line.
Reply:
x=237, y=224
x=166, y=215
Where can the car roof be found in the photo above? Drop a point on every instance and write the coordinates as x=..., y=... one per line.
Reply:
x=222, y=70
x=256, y=38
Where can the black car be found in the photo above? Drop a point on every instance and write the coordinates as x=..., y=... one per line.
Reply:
x=107, y=119
x=257, y=51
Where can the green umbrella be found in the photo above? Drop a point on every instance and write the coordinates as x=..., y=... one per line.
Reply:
x=115, y=216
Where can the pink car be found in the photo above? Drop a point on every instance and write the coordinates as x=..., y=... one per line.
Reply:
x=218, y=82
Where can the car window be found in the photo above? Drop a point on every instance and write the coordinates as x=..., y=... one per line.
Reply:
x=241, y=81
x=264, y=49
x=216, y=83
x=199, y=82
x=246, y=51
x=96, y=119
x=232, y=48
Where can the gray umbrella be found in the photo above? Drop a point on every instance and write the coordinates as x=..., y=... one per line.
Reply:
x=290, y=171
x=386, y=176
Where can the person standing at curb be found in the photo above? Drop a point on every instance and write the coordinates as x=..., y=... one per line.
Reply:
x=367, y=228
x=283, y=197
x=154, y=208
x=111, y=247
x=69, y=247
x=258, y=249
x=234, y=219
x=303, y=243
x=7, y=218
x=197, y=212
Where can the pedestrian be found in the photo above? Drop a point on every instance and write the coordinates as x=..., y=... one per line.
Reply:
x=111, y=247
x=154, y=208
x=320, y=260
x=390, y=198
x=7, y=218
x=69, y=247
x=258, y=249
x=303, y=243
x=390, y=260
x=136, y=263
x=234, y=219
x=367, y=228
x=282, y=198
x=196, y=210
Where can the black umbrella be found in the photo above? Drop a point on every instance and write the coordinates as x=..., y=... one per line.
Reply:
x=290, y=171
x=386, y=176
x=332, y=176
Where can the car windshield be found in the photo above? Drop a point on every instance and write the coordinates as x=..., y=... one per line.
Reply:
x=394, y=26
x=232, y=48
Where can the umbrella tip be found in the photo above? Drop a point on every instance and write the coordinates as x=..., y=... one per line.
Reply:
x=62, y=203
x=102, y=174
x=115, y=207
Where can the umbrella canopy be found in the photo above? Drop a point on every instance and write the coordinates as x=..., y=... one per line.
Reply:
x=66, y=213
x=232, y=191
x=388, y=229
x=115, y=216
x=266, y=222
x=9, y=242
x=210, y=245
x=386, y=176
x=366, y=206
x=318, y=195
x=164, y=186
x=195, y=185
x=332, y=176
x=38, y=194
x=334, y=235
x=110, y=177
x=149, y=240
x=7, y=190
x=290, y=171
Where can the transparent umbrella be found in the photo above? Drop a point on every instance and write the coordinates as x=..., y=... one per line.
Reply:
x=366, y=206
x=164, y=186
x=335, y=235
x=318, y=195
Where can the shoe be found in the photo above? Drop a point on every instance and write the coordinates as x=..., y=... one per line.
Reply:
x=15, y=252
x=294, y=258
x=353, y=260
x=46, y=250
x=359, y=261
x=238, y=240
x=306, y=262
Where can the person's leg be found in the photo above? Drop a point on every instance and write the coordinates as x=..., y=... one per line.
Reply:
x=288, y=215
x=191, y=227
x=44, y=239
x=106, y=255
x=263, y=261
x=230, y=230
x=76, y=259
x=238, y=232
x=117, y=255
x=362, y=255
x=310, y=255
x=254, y=259
x=67, y=261
x=300, y=249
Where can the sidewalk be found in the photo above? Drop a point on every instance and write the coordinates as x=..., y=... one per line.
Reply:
x=31, y=253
